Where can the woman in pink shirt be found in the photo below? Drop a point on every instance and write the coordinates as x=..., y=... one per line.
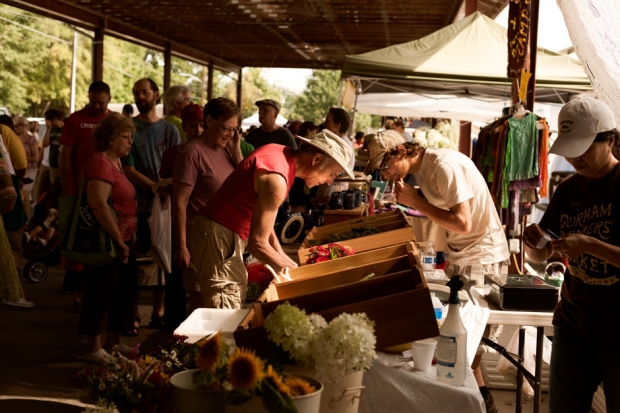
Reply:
x=111, y=289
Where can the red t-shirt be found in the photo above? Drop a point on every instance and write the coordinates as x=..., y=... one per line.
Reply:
x=78, y=133
x=233, y=204
x=123, y=192
x=205, y=169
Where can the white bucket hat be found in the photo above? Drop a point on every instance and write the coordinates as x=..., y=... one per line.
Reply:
x=579, y=122
x=379, y=145
x=334, y=147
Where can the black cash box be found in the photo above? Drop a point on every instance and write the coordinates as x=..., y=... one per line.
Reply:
x=517, y=292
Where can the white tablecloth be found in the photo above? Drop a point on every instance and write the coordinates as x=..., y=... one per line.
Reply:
x=393, y=386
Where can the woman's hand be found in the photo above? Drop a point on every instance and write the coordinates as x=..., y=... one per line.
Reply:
x=122, y=251
x=183, y=258
x=406, y=194
x=572, y=246
x=233, y=142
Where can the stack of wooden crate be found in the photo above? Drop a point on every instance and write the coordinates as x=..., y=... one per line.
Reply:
x=396, y=297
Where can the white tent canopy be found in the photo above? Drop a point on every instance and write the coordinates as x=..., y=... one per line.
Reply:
x=445, y=106
x=253, y=120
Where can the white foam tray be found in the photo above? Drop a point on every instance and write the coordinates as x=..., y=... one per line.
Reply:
x=205, y=321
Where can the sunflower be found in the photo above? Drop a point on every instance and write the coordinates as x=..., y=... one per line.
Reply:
x=210, y=352
x=298, y=386
x=245, y=369
x=277, y=380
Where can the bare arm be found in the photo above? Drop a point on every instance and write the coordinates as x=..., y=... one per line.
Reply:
x=457, y=219
x=271, y=190
x=64, y=163
x=180, y=197
x=45, y=142
x=137, y=179
x=34, y=148
x=97, y=193
x=574, y=245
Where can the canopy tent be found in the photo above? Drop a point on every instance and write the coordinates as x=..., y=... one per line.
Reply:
x=466, y=59
x=446, y=106
x=253, y=120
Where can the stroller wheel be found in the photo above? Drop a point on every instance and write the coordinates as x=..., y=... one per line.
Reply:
x=35, y=271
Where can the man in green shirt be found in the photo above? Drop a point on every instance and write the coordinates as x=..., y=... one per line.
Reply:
x=175, y=99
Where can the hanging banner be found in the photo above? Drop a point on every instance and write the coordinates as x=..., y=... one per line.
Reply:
x=518, y=36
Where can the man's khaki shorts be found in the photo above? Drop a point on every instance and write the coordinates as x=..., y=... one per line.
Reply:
x=218, y=258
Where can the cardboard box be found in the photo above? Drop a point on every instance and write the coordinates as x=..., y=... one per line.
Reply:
x=369, y=243
x=363, y=221
x=399, y=304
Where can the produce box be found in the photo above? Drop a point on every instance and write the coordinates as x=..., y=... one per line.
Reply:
x=359, y=259
x=369, y=243
x=363, y=221
x=384, y=224
x=399, y=304
x=518, y=292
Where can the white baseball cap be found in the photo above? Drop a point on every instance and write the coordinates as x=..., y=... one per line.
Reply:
x=334, y=147
x=579, y=122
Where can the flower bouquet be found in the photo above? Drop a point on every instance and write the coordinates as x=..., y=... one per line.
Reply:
x=331, y=252
x=131, y=383
x=333, y=350
x=245, y=377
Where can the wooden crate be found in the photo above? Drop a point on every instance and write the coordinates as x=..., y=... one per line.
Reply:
x=362, y=220
x=371, y=242
x=359, y=259
x=399, y=304
x=384, y=224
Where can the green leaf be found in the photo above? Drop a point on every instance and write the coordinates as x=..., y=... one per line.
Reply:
x=236, y=397
x=368, y=277
x=276, y=402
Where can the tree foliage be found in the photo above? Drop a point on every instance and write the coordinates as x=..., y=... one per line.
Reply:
x=35, y=68
x=320, y=94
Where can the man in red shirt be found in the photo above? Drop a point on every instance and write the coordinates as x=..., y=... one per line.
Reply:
x=244, y=210
x=76, y=147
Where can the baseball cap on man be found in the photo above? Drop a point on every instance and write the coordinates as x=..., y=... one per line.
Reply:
x=269, y=102
x=379, y=145
x=192, y=113
x=579, y=122
x=334, y=147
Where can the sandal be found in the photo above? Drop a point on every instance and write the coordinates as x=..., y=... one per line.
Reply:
x=135, y=330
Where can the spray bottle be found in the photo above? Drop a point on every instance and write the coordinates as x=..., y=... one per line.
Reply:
x=452, y=345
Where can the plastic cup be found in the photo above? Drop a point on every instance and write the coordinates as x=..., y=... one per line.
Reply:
x=422, y=352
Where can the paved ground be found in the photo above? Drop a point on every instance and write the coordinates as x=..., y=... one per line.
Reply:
x=39, y=349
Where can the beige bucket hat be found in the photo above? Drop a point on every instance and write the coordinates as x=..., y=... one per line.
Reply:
x=334, y=147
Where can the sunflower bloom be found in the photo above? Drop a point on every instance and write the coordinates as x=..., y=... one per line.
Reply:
x=277, y=380
x=298, y=386
x=244, y=369
x=209, y=353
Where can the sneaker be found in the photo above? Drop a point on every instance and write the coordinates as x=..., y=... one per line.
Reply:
x=125, y=350
x=98, y=357
x=21, y=303
x=489, y=402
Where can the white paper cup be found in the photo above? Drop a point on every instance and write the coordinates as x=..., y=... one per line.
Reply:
x=422, y=352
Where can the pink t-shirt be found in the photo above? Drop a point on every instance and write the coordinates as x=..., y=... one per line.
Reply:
x=204, y=168
x=78, y=134
x=123, y=192
x=233, y=204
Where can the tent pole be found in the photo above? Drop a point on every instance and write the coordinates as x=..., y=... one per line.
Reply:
x=352, y=129
x=339, y=104
x=531, y=90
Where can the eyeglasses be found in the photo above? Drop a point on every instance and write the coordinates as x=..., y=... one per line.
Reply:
x=137, y=93
x=224, y=129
